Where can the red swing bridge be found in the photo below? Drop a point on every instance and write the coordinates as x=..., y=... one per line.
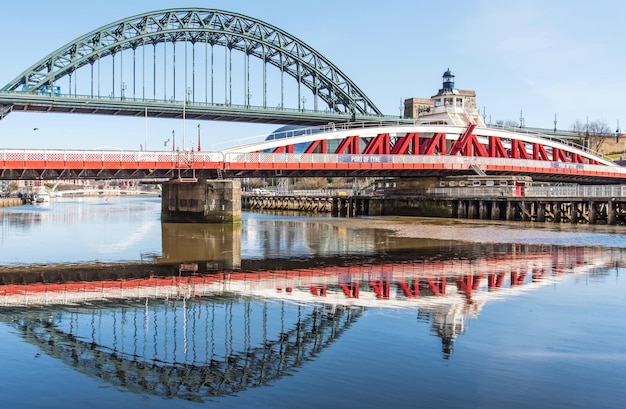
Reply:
x=348, y=150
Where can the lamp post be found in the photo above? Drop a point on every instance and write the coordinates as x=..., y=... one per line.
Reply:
x=187, y=93
x=173, y=141
x=199, y=138
x=555, y=122
x=303, y=102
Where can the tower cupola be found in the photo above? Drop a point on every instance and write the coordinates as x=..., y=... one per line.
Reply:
x=448, y=80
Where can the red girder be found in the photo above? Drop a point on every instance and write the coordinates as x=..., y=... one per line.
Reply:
x=539, y=152
x=468, y=144
x=496, y=149
x=313, y=147
x=284, y=149
x=351, y=144
x=438, y=142
x=518, y=150
x=576, y=158
x=404, y=144
x=379, y=145
x=558, y=155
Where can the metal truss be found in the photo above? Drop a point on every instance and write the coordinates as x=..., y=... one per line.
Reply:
x=207, y=26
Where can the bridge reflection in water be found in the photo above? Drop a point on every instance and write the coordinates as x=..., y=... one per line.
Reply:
x=194, y=331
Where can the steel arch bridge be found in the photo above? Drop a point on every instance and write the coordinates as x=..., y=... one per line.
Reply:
x=130, y=67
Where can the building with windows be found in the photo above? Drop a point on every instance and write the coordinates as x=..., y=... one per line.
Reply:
x=451, y=106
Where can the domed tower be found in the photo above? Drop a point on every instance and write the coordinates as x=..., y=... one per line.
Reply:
x=448, y=80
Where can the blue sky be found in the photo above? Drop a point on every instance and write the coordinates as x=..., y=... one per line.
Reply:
x=534, y=58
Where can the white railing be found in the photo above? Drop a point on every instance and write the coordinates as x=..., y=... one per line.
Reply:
x=32, y=155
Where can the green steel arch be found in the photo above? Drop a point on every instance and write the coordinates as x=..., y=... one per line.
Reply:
x=215, y=27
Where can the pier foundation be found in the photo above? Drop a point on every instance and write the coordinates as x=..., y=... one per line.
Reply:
x=201, y=201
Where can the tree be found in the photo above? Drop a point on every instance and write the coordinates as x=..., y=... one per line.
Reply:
x=591, y=135
x=509, y=123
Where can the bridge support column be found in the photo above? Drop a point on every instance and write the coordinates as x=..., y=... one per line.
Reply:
x=576, y=212
x=472, y=211
x=483, y=211
x=204, y=201
x=610, y=212
x=374, y=207
x=593, y=212
x=495, y=210
x=540, y=212
x=462, y=209
x=510, y=210
x=556, y=210
x=334, y=207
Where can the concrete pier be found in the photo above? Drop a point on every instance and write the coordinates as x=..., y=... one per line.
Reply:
x=201, y=201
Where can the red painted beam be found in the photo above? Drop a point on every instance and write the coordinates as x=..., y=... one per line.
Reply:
x=496, y=148
x=317, y=147
x=436, y=144
x=518, y=150
x=379, y=145
x=349, y=145
x=407, y=144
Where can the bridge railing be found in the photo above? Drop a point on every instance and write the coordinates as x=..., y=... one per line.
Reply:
x=94, y=156
x=578, y=191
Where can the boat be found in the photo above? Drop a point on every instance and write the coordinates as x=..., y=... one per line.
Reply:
x=42, y=197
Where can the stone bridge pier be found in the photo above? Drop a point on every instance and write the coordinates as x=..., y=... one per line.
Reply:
x=201, y=201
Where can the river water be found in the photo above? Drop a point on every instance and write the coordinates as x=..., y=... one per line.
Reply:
x=102, y=305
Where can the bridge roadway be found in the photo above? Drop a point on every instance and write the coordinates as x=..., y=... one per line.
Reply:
x=347, y=150
x=18, y=101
